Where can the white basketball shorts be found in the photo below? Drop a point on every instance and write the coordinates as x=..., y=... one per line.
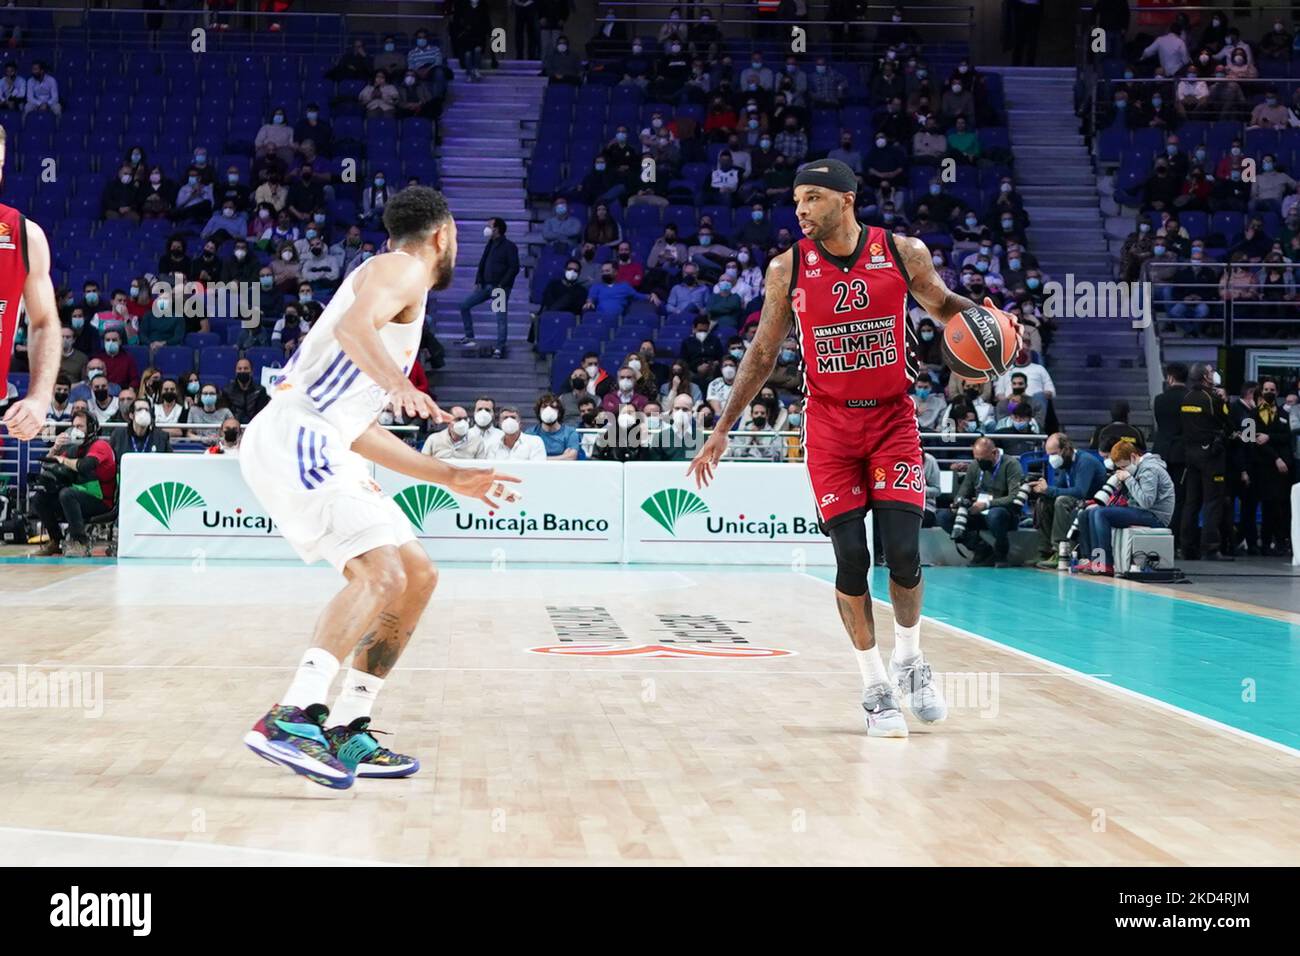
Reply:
x=318, y=492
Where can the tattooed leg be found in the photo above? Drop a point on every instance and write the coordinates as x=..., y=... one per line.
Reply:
x=855, y=612
x=382, y=644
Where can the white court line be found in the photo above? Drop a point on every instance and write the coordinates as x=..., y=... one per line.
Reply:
x=187, y=845
x=1095, y=680
x=686, y=670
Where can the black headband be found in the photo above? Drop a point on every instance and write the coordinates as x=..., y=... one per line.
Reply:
x=830, y=173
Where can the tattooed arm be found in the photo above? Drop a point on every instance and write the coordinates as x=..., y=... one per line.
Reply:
x=924, y=283
x=928, y=289
x=757, y=365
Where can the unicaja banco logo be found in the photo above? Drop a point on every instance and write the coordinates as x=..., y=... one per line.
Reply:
x=666, y=506
x=168, y=497
x=419, y=501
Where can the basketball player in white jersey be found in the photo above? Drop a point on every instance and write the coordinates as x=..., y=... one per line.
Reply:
x=305, y=456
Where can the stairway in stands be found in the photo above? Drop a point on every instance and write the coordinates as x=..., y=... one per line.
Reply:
x=482, y=165
x=1055, y=175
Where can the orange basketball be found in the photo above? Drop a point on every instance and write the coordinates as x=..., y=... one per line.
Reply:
x=979, y=343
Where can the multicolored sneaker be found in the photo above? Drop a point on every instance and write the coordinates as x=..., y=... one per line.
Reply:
x=355, y=747
x=292, y=737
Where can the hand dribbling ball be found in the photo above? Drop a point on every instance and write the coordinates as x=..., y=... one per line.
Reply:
x=980, y=343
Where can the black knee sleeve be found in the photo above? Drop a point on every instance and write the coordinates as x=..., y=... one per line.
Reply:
x=900, y=530
x=852, y=556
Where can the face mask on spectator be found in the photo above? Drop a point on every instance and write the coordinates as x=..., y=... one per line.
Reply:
x=971, y=222
x=927, y=335
x=510, y=426
x=728, y=372
x=482, y=418
x=243, y=378
x=112, y=347
x=460, y=427
x=549, y=415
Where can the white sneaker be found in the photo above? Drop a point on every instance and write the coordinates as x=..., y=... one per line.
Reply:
x=884, y=719
x=916, y=684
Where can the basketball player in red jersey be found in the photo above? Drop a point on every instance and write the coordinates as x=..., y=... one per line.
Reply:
x=25, y=280
x=845, y=288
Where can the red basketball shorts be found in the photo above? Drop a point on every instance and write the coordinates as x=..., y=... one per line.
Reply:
x=863, y=457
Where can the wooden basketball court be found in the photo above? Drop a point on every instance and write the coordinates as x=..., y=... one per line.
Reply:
x=598, y=715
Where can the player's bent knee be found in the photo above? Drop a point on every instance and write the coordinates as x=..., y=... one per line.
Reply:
x=905, y=568
x=901, y=531
x=384, y=574
x=852, y=557
x=421, y=574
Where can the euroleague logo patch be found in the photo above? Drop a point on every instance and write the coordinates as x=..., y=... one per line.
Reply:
x=661, y=651
x=878, y=476
x=877, y=252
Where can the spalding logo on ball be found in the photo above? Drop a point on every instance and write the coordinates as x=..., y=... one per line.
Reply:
x=979, y=344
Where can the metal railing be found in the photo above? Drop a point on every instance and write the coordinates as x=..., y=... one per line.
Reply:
x=18, y=459
x=326, y=30
x=938, y=24
x=1227, y=99
x=1255, y=311
x=945, y=446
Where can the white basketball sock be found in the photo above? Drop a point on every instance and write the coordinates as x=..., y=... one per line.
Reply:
x=311, y=683
x=907, y=642
x=356, y=698
x=872, y=667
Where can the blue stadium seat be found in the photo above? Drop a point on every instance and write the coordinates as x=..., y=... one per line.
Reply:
x=1227, y=224
x=543, y=179
x=261, y=358
x=1195, y=222
x=140, y=353
x=174, y=360
x=218, y=360
x=552, y=328
x=685, y=217
x=202, y=340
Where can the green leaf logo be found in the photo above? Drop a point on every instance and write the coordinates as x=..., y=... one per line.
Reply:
x=419, y=501
x=168, y=497
x=668, y=505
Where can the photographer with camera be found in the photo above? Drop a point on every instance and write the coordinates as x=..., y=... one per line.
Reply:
x=1139, y=493
x=78, y=480
x=1075, y=478
x=986, y=498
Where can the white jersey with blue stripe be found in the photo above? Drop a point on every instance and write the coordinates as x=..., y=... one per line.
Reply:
x=326, y=383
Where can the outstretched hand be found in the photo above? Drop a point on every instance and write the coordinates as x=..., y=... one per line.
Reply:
x=706, y=459
x=484, y=484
